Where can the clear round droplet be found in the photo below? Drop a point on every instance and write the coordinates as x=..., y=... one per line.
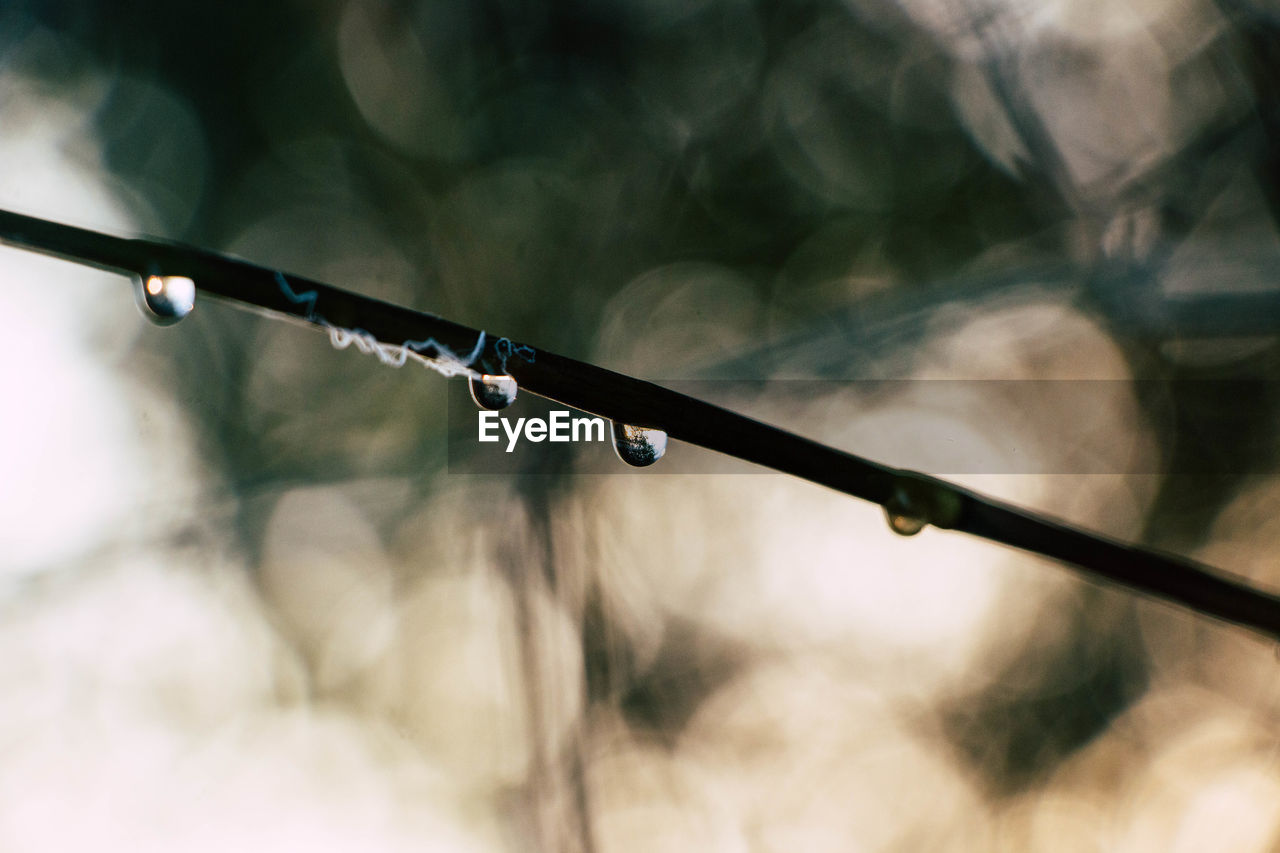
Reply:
x=639, y=446
x=493, y=392
x=904, y=525
x=904, y=510
x=166, y=299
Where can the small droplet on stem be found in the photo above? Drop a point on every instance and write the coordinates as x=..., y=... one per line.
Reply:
x=905, y=517
x=917, y=501
x=904, y=525
x=493, y=392
x=638, y=446
x=166, y=299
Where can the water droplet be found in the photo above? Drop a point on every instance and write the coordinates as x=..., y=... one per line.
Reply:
x=493, y=392
x=904, y=525
x=639, y=446
x=166, y=299
x=905, y=516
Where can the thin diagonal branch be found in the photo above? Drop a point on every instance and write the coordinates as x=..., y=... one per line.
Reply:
x=458, y=349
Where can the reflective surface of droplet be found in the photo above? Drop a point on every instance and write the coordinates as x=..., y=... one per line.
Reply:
x=904, y=525
x=493, y=392
x=905, y=515
x=166, y=299
x=639, y=446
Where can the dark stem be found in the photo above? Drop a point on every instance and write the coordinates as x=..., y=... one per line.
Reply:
x=638, y=403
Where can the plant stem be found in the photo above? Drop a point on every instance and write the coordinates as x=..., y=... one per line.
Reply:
x=638, y=403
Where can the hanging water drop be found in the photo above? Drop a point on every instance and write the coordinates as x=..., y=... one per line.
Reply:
x=166, y=299
x=917, y=502
x=905, y=511
x=903, y=524
x=639, y=446
x=493, y=392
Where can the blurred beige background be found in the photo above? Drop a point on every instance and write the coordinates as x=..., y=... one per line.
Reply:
x=244, y=605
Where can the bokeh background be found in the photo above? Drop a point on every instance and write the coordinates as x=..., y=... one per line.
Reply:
x=244, y=604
